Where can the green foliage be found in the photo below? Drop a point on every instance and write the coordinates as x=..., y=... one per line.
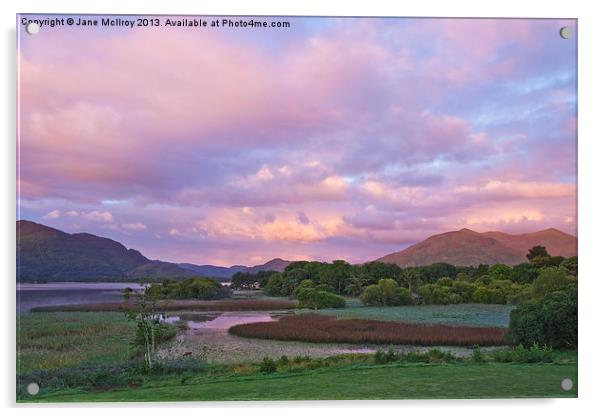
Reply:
x=477, y=355
x=438, y=295
x=551, y=321
x=319, y=299
x=524, y=273
x=268, y=365
x=551, y=279
x=305, y=284
x=500, y=271
x=520, y=354
x=386, y=293
x=487, y=295
x=195, y=288
x=445, y=281
x=242, y=280
x=536, y=253
x=570, y=264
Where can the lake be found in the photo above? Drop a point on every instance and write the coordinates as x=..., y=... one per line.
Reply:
x=30, y=295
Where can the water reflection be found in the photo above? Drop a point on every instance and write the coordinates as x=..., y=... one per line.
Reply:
x=219, y=321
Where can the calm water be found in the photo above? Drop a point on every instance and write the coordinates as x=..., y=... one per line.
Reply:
x=30, y=295
x=220, y=321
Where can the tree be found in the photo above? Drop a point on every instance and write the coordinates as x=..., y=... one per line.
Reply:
x=571, y=265
x=538, y=255
x=550, y=321
x=500, y=271
x=318, y=299
x=524, y=273
x=127, y=293
x=550, y=279
x=147, y=316
x=371, y=296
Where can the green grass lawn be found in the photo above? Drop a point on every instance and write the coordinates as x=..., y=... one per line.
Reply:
x=68, y=339
x=470, y=314
x=393, y=381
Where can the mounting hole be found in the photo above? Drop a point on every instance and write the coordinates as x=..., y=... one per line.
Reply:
x=33, y=388
x=566, y=384
x=565, y=32
x=32, y=28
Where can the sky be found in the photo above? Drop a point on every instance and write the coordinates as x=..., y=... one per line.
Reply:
x=337, y=138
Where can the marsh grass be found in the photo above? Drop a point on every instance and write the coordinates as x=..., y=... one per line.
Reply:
x=52, y=340
x=319, y=328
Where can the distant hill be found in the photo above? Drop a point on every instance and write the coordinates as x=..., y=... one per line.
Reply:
x=45, y=253
x=48, y=254
x=220, y=272
x=469, y=248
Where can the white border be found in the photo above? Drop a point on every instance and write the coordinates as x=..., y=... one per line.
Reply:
x=590, y=207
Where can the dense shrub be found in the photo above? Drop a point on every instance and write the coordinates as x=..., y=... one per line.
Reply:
x=550, y=321
x=551, y=279
x=487, y=295
x=267, y=365
x=195, y=288
x=257, y=280
x=386, y=293
x=520, y=354
x=438, y=295
x=319, y=299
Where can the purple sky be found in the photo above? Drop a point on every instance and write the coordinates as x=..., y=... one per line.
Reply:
x=335, y=139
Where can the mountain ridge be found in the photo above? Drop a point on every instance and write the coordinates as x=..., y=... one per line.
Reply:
x=466, y=247
x=49, y=254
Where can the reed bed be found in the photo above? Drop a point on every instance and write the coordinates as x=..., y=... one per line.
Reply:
x=319, y=328
x=177, y=305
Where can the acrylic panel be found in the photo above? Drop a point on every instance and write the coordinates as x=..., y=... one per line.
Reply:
x=215, y=208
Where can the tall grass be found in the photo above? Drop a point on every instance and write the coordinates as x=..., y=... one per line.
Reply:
x=177, y=305
x=52, y=340
x=319, y=328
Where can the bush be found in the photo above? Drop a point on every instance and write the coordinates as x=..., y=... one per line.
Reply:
x=438, y=295
x=318, y=299
x=386, y=293
x=371, y=296
x=520, y=354
x=381, y=357
x=477, y=355
x=195, y=288
x=487, y=295
x=551, y=279
x=550, y=321
x=267, y=365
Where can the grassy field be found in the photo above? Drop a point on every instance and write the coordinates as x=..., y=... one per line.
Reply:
x=67, y=339
x=472, y=314
x=392, y=381
x=320, y=328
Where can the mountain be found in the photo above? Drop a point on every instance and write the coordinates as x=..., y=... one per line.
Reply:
x=45, y=253
x=277, y=265
x=220, y=272
x=556, y=242
x=48, y=254
x=469, y=248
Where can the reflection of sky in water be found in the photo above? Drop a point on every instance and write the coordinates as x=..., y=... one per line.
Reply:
x=220, y=322
x=31, y=295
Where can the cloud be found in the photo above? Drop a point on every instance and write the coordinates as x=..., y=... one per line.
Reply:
x=53, y=214
x=136, y=226
x=349, y=138
x=97, y=216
